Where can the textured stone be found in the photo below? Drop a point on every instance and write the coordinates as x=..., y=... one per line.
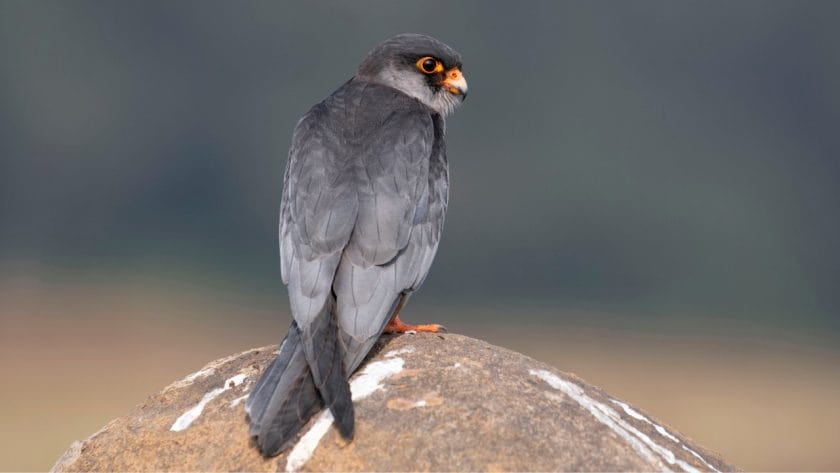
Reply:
x=423, y=402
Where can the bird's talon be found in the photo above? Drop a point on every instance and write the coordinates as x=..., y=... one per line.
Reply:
x=398, y=326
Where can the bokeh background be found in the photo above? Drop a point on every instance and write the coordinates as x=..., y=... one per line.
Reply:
x=643, y=193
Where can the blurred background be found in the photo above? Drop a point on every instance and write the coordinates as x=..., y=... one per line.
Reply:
x=643, y=193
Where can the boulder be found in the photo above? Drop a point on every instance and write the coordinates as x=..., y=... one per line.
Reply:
x=423, y=402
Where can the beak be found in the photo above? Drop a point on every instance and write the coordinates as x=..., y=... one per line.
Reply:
x=455, y=83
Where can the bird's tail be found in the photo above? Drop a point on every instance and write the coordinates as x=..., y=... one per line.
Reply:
x=325, y=353
x=284, y=399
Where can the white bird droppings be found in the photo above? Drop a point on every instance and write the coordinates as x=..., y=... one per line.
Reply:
x=192, y=413
x=236, y=380
x=363, y=385
x=198, y=374
x=401, y=351
x=700, y=458
x=203, y=372
x=636, y=415
x=640, y=442
x=238, y=400
x=188, y=417
x=662, y=431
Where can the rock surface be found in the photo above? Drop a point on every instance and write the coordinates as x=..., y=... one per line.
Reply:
x=423, y=402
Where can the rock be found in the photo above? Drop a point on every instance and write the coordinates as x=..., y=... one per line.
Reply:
x=423, y=402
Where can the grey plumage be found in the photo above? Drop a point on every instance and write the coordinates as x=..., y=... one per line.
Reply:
x=364, y=198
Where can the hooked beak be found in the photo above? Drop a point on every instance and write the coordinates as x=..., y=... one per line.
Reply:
x=455, y=83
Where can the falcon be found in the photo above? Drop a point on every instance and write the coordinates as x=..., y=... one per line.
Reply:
x=364, y=197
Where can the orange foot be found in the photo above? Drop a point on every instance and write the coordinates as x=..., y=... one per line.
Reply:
x=397, y=326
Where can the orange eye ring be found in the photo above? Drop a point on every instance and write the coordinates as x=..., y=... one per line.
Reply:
x=429, y=65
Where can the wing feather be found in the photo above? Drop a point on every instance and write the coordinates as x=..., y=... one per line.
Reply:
x=395, y=239
x=318, y=211
x=363, y=201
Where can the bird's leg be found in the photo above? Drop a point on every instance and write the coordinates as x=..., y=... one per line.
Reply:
x=395, y=325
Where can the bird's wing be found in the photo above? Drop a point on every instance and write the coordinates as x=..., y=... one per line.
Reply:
x=318, y=211
x=393, y=241
x=353, y=237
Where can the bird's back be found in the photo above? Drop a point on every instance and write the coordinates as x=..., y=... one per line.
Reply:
x=393, y=163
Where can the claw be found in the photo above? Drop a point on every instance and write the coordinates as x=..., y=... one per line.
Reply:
x=398, y=326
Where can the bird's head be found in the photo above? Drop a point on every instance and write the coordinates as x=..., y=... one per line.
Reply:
x=419, y=66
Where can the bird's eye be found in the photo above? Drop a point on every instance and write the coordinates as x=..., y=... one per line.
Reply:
x=429, y=65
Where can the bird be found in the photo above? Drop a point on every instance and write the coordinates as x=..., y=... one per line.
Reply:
x=365, y=193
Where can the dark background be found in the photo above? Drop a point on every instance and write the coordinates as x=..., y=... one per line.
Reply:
x=623, y=174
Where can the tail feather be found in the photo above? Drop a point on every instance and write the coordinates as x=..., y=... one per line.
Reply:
x=284, y=399
x=325, y=355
